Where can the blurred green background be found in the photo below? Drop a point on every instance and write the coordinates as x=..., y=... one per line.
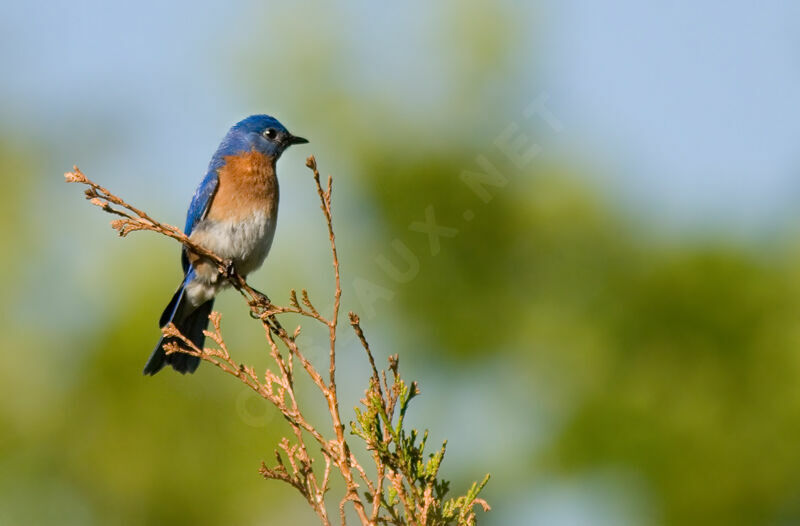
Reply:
x=610, y=328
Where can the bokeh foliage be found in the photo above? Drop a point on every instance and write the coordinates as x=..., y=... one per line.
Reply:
x=674, y=359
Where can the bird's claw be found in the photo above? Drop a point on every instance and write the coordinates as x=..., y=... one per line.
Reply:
x=260, y=298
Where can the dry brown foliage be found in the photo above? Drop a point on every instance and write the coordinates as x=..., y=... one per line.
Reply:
x=405, y=489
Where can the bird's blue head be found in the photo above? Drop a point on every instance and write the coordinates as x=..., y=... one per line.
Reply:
x=262, y=133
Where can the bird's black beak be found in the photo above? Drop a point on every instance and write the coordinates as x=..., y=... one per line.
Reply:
x=293, y=139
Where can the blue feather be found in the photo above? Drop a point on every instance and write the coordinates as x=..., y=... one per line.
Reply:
x=246, y=135
x=201, y=201
x=198, y=209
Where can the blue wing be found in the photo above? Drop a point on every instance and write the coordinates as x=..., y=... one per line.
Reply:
x=201, y=201
x=199, y=207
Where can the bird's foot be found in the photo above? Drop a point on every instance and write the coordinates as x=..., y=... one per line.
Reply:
x=230, y=268
x=261, y=299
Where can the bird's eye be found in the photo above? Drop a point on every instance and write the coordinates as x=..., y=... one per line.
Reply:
x=271, y=133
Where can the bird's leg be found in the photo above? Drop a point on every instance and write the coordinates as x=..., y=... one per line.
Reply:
x=230, y=268
x=259, y=298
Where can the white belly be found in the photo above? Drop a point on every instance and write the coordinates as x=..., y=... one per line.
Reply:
x=245, y=242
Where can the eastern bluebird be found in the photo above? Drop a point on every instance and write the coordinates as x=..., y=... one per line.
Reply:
x=233, y=214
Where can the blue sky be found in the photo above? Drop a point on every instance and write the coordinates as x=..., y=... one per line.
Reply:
x=689, y=109
x=693, y=104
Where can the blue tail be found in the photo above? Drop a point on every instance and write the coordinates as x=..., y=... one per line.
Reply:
x=191, y=323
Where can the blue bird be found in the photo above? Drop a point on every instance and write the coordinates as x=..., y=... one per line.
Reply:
x=233, y=213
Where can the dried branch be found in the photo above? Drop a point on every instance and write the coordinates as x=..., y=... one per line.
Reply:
x=414, y=495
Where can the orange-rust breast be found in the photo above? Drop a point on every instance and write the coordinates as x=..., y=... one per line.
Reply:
x=247, y=184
